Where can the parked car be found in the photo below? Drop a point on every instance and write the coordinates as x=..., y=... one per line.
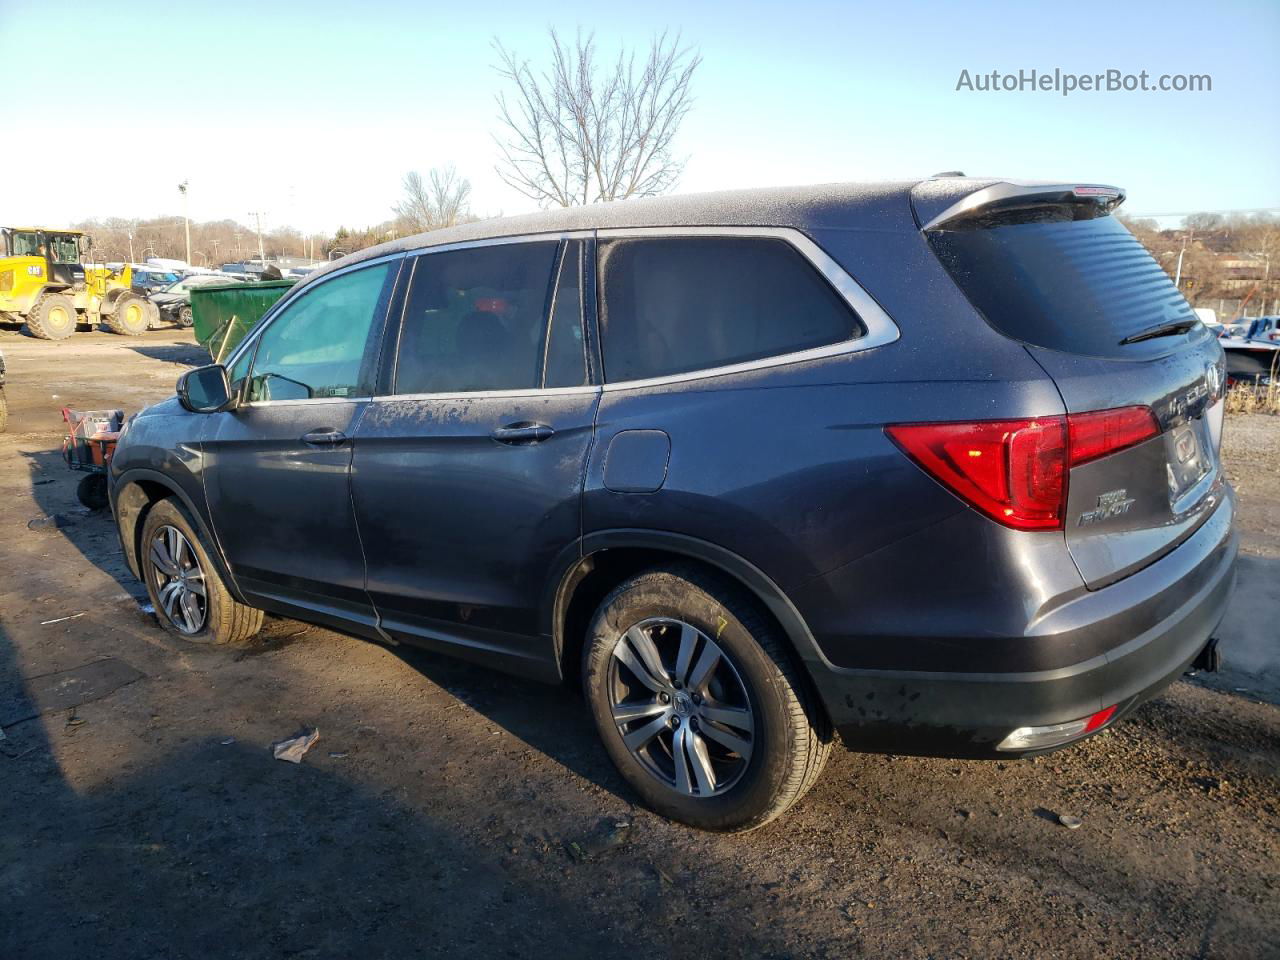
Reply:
x=750, y=468
x=147, y=279
x=174, y=301
x=1264, y=328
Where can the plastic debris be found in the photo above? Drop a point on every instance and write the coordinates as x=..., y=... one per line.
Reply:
x=74, y=616
x=296, y=746
x=229, y=741
x=1070, y=822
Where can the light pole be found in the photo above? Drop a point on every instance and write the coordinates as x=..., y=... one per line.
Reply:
x=262, y=257
x=215, y=249
x=186, y=215
x=1177, y=279
x=129, y=234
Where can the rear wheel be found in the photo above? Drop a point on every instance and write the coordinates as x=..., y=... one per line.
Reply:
x=52, y=317
x=699, y=703
x=92, y=491
x=131, y=316
x=189, y=597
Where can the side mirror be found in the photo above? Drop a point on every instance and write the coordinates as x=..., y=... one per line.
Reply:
x=205, y=389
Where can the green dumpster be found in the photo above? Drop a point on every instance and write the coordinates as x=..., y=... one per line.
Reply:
x=221, y=315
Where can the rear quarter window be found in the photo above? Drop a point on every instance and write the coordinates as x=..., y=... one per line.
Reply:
x=679, y=304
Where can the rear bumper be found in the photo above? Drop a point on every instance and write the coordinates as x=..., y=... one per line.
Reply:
x=1178, y=601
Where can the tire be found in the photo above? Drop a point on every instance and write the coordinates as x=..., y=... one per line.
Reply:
x=184, y=316
x=131, y=317
x=221, y=619
x=52, y=317
x=734, y=782
x=92, y=491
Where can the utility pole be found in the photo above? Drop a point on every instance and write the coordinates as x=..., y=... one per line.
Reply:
x=186, y=215
x=1177, y=279
x=129, y=234
x=258, y=217
x=215, y=249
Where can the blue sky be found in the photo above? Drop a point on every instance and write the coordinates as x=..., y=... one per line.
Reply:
x=312, y=112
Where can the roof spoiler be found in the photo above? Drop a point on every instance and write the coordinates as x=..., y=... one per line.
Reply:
x=1012, y=196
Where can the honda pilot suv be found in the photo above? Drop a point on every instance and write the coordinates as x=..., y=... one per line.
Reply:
x=931, y=465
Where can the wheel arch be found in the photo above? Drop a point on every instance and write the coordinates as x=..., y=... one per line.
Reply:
x=600, y=561
x=133, y=493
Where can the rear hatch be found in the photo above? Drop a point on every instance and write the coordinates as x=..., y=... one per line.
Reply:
x=1050, y=267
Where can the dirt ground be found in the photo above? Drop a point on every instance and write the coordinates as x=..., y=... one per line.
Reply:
x=434, y=815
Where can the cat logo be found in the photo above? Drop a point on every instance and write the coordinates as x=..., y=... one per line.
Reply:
x=1113, y=503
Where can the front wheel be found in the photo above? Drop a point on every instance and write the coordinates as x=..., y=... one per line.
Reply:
x=185, y=318
x=699, y=703
x=189, y=597
x=131, y=317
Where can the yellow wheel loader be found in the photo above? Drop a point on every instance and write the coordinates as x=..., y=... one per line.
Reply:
x=46, y=284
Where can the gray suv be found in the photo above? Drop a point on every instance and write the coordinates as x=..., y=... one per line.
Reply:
x=933, y=465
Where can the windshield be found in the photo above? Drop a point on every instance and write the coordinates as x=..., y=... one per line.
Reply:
x=178, y=286
x=23, y=244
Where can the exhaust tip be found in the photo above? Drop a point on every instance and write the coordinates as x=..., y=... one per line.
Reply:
x=1208, y=660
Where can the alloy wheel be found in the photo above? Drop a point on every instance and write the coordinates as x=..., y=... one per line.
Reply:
x=178, y=580
x=681, y=707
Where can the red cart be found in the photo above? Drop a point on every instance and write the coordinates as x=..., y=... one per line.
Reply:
x=90, y=444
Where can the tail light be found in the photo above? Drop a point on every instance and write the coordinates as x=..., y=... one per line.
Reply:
x=1015, y=471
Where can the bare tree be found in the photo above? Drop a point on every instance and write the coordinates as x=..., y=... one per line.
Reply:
x=580, y=131
x=443, y=201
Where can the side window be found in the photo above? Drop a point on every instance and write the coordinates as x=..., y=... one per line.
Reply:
x=678, y=304
x=565, y=361
x=319, y=345
x=475, y=319
x=240, y=369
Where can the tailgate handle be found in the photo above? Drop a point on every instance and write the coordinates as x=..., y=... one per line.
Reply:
x=324, y=438
x=523, y=433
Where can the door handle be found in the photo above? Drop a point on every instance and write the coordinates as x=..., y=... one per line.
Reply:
x=324, y=438
x=517, y=433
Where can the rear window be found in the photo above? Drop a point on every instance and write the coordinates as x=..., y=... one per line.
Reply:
x=678, y=304
x=1080, y=286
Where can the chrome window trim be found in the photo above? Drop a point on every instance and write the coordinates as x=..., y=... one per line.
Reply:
x=881, y=329
x=279, y=306
x=532, y=392
x=550, y=237
x=301, y=400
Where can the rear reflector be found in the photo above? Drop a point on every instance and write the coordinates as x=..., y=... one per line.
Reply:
x=1015, y=471
x=1055, y=734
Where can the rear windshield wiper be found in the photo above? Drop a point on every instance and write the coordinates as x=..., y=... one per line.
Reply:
x=1163, y=330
